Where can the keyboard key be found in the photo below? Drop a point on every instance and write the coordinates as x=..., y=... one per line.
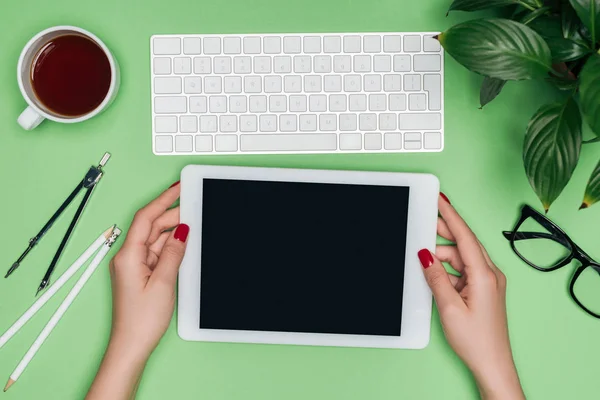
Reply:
x=352, y=83
x=312, y=83
x=202, y=65
x=412, y=43
x=165, y=124
x=392, y=141
x=401, y=63
x=362, y=63
x=347, y=122
x=282, y=64
x=268, y=123
x=392, y=83
x=208, y=123
x=228, y=123
x=372, y=83
x=198, y=104
x=166, y=46
x=391, y=43
x=192, y=46
x=432, y=83
x=292, y=44
x=328, y=122
x=204, y=143
x=212, y=45
x=312, y=44
x=342, y=63
x=332, y=83
x=262, y=65
x=372, y=44
x=382, y=63
x=232, y=84
x=358, y=102
x=388, y=122
x=350, y=141
x=432, y=141
x=272, y=45
x=332, y=44
x=298, y=103
x=222, y=65
x=163, y=144
x=351, y=44
x=170, y=105
x=162, y=66
x=337, y=102
x=213, y=84
x=427, y=62
x=238, y=104
x=292, y=83
x=430, y=44
x=226, y=143
x=184, y=143
x=273, y=84
x=277, y=103
x=170, y=85
x=368, y=122
x=308, y=122
x=377, y=102
x=302, y=64
x=188, y=124
x=397, y=102
x=428, y=121
x=372, y=141
x=288, y=123
x=252, y=84
x=182, y=65
x=412, y=140
x=248, y=123
x=258, y=104
x=322, y=64
x=289, y=142
x=412, y=83
x=192, y=85
x=217, y=104
x=242, y=65
x=417, y=102
x=252, y=45
x=232, y=45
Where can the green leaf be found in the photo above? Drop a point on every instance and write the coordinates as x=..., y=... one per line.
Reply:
x=561, y=83
x=551, y=149
x=527, y=18
x=562, y=49
x=590, y=141
x=589, y=92
x=498, y=48
x=589, y=13
x=476, y=5
x=570, y=22
x=490, y=88
x=592, y=191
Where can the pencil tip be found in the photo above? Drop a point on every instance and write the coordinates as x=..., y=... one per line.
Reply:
x=39, y=290
x=9, y=384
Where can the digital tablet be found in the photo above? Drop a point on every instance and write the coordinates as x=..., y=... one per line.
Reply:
x=306, y=257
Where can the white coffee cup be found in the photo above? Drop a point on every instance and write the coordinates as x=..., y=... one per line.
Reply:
x=37, y=111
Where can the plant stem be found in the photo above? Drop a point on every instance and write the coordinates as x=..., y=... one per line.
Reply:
x=527, y=6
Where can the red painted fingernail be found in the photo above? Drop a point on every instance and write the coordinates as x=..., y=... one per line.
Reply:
x=175, y=184
x=181, y=232
x=445, y=197
x=426, y=258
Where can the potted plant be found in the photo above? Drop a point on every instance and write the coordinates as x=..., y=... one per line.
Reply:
x=554, y=40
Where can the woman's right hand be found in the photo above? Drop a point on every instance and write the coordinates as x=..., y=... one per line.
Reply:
x=472, y=307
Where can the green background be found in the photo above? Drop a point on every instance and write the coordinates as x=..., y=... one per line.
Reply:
x=555, y=344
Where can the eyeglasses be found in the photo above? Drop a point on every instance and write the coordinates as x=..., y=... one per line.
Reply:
x=544, y=246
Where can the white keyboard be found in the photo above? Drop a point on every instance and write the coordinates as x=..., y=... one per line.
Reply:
x=297, y=93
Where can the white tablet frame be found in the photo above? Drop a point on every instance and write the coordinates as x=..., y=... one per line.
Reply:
x=421, y=233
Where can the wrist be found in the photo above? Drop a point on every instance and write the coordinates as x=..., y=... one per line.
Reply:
x=126, y=352
x=499, y=382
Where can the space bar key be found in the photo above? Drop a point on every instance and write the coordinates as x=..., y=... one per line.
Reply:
x=289, y=142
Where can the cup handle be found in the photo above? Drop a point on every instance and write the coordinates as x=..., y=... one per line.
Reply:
x=29, y=119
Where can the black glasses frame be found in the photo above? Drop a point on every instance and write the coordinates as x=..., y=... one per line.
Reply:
x=558, y=235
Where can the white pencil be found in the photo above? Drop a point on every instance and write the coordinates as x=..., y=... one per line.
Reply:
x=62, y=309
x=55, y=287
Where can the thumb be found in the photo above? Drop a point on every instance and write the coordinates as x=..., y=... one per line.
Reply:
x=437, y=278
x=171, y=256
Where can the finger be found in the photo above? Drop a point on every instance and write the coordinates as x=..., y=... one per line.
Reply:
x=170, y=257
x=438, y=280
x=450, y=255
x=141, y=226
x=453, y=279
x=169, y=219
x=444, y=231
x=156, y=248
x=466, y=241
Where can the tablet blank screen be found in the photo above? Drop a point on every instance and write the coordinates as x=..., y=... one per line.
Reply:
x=302, y=257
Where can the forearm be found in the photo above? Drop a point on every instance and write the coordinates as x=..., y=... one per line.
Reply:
x=119, y=374
x=502, y=383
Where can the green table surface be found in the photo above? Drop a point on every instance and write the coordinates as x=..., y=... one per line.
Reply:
x=555, y=344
